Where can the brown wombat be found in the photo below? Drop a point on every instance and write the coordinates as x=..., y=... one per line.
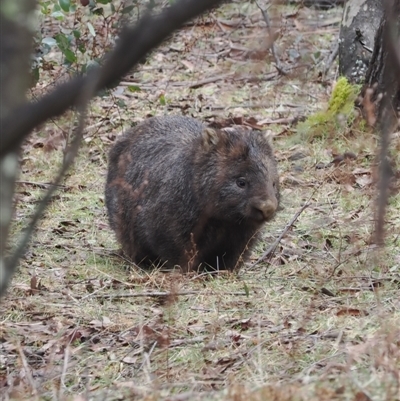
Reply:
x=183, y=194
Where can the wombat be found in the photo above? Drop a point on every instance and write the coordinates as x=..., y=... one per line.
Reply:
x=179, y=193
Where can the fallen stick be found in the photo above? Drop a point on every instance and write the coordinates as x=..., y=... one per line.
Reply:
x=39, y=184
x=153, y=294
x=272, y=248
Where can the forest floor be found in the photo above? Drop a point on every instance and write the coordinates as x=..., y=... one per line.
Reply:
x=317, y=319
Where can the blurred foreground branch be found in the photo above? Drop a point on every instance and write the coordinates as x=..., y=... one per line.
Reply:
x=18, y=118
x=134, y=43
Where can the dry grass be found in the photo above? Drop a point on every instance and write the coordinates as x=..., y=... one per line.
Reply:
x=318, y=321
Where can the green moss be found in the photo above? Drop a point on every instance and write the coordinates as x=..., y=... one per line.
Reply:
x=343, y=96
x=338, y=116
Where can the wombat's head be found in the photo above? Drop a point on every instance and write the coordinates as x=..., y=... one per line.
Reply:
x=245, y=187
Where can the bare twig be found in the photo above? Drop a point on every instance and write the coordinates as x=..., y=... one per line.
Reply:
x=272, y=248
x=38, y=184
x=278, y=63
x=186, y=341
x=331, y=59
x=206, y=81
x=156, y=294
x=388, y=115
x=64, y=372
x=288, y=120
x=28, y=372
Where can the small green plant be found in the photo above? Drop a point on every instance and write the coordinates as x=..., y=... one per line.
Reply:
x=338, y=116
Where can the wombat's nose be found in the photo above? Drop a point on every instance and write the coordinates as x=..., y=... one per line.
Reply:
x=268, y=208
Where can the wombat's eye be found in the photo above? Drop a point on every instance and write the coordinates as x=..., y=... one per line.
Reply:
x=241, y=182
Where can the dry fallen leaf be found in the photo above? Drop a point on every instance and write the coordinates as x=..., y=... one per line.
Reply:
x=361, y=396
x=351, y=312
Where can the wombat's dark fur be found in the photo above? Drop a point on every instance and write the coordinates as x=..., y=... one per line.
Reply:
x=183, y=194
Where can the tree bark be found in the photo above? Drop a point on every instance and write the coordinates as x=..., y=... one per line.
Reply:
x=360, y=22
x=383, y=72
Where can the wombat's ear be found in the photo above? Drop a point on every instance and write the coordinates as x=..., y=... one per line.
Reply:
x=210, y=138
x=265, y=137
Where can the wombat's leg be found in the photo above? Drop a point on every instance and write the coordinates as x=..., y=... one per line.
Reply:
x=231, y=261
x=145, y=256
x=237, y=260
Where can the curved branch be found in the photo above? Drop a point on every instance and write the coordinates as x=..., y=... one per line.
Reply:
x=133, y=45
x=70, y=153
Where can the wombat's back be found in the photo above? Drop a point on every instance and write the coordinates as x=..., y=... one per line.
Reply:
x=149, y=148
x=164, y=133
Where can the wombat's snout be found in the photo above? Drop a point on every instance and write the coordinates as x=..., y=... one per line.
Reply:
x=265, y=210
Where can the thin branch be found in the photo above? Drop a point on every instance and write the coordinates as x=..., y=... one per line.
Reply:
x=69, y=156
x=390, y=41
x=134, y=43
x=207, y=81
x=332, y=57
x=64, y=372
x=288, y=120
x=278, y=63
x=273, y=247
x=42, y=185
x=155, y=294
x=28, y=373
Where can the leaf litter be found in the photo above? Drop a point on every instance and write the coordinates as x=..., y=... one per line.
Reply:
x=315, y=320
